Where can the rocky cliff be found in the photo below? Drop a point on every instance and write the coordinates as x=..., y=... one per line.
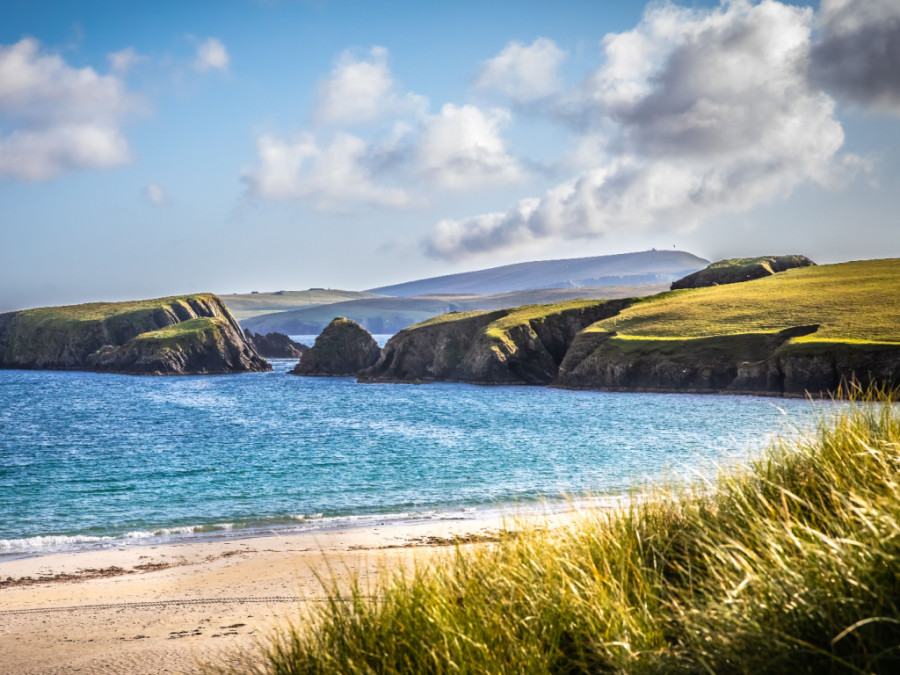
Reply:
x=275, y=345
x=185, y=335
x=774, y=364
x=343, y=348
x=513, y=346
x=735, y=270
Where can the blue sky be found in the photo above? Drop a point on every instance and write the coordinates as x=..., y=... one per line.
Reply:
x=149, y=149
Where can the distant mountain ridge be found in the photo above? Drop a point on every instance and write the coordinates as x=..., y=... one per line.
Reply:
x=624, y=269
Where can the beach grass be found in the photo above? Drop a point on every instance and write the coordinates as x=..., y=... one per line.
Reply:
x=791, y=564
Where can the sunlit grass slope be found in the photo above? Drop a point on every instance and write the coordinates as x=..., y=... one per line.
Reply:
x=792, y=565
x=854, y=301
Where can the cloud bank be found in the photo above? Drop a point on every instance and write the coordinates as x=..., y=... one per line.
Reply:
x=705, y=112
x=55, y=118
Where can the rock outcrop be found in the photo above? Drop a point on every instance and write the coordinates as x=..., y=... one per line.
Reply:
x=512, y=346
x=185, y=335
x=343, y=348
x=275, y=345
x=735, y=270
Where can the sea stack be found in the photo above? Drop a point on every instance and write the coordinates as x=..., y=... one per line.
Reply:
x=343, y=348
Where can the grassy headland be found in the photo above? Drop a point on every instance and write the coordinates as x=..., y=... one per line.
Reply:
x=855, y=301
x=790, y=565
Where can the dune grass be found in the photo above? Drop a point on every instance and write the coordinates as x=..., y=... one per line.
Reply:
x=790, y=565
x=851, y=301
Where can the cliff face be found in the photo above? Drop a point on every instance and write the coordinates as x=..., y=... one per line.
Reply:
x=767, y=364
x=519, y=346
x=343, y=348
x=170, y=336
x=735, y=270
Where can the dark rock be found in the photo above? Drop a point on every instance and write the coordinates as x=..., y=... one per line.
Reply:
x=735, y=270
x=275, y=345
x=343, y=348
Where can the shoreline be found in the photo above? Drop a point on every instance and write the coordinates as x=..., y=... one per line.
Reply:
x=40, y=546
x=161, y=608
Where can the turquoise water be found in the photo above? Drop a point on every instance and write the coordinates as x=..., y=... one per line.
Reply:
x=96, y=460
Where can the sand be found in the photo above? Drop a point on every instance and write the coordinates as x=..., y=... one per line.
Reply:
x=165, y=609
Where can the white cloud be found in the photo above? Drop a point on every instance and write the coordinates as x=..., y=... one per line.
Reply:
x=211, y=54
x=337, y=177
x=124, y=60
x=523, y=73
x=56, y=118
x=706, y=112
x=461, y=149
x=155, y=194
x=363, y=90
x=858, y=56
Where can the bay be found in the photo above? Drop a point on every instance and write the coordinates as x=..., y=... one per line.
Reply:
x=98, y=460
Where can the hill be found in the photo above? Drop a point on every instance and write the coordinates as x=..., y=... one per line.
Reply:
x=393, y=314
x=247, y=305
x=190, y=334
x=626, y=269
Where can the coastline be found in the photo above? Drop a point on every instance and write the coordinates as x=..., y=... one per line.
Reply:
x=164, y=608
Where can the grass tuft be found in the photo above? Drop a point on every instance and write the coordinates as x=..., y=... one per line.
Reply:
x=789, y=565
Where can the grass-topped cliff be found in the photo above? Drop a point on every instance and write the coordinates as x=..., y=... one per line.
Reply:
x=789, y=566
x=522, y=345
x=800, y=330
x=173, y=335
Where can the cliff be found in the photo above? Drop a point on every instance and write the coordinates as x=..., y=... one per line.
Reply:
x=275, y=345
x=807, y=330
x=524, y=345
x=184, y=335
x=343, y=348
x=735, y=270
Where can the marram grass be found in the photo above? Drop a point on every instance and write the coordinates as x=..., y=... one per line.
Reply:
x=789, y=566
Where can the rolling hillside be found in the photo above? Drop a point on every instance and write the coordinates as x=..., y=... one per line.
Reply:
x=626, y=269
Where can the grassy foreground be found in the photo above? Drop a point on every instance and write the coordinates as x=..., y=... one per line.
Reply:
x=792, y=565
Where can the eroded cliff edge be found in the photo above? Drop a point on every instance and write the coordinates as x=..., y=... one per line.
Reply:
x=524, y=345
x=183, y=335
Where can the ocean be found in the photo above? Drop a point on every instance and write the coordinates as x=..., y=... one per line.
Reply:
x=93, y=460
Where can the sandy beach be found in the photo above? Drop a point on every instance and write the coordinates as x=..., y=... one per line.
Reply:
x=164, y=609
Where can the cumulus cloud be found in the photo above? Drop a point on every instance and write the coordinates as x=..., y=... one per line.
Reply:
x=211, y=55
x=362, y=90
x=523, y=73
x=55, y=118
x=706, y=111
x=858, y=55
x=155, y=194
x=461, y=149
x=336, y=177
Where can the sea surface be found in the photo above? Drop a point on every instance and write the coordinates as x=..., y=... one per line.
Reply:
x=96, y=460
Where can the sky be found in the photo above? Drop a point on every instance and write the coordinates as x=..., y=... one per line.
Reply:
x=152, y=149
